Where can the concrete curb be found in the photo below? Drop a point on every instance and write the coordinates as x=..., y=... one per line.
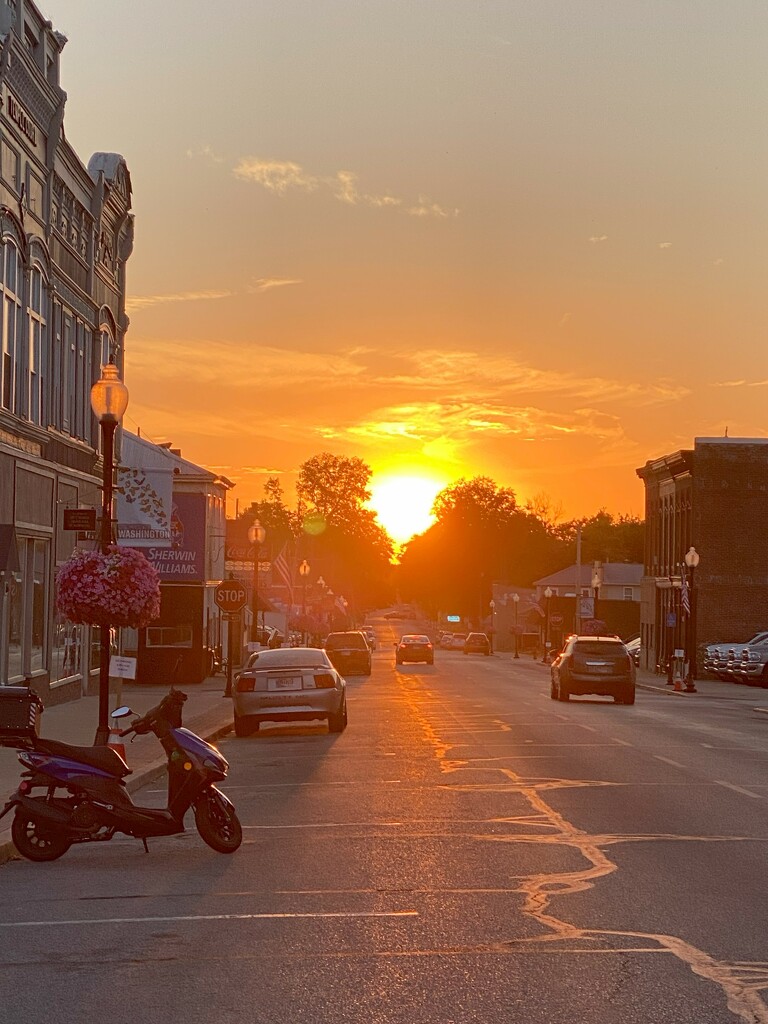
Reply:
x=147, y=774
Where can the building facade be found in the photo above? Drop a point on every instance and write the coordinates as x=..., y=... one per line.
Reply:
x=66, y=233
x=714, y=498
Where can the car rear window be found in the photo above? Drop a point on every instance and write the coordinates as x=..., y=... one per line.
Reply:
x=605, y=649
x=336, y=641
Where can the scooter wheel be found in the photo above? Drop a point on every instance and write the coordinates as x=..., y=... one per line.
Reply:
x=37, y=841
x=219, y=827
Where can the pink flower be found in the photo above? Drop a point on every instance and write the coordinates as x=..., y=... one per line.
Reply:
x=117, y=588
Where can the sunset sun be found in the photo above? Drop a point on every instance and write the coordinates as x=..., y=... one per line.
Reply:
x=403, y=503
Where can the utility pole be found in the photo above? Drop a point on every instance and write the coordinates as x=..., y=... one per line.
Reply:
x=577, y=617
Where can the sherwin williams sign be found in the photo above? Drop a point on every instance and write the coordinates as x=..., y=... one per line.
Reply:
x=184, y=560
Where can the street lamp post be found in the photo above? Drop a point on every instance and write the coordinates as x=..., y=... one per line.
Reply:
x=516, y=599
x=304, y=572
x=492, y=606
x=109, y=400
x=691, y=561
x=545, y=655
x=596, y=581
x=256, y=535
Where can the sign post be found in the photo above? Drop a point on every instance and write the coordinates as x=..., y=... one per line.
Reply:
x=231, y=597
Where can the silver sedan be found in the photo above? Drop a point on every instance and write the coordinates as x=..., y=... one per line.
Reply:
x=289, y=684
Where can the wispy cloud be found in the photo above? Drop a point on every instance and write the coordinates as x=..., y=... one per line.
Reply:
x=665, y=245
x=264, y=284
x=283, y=176
x=598, y=238
x=740, y=383
x=207, y=153
x=136, y=302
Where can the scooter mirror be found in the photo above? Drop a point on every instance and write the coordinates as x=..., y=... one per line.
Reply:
x=121, y=712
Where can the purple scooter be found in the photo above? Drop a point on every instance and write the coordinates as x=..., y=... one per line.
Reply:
x=74, y=794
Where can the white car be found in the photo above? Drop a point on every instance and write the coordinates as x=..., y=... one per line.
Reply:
x=445, y=640
x=457, y=641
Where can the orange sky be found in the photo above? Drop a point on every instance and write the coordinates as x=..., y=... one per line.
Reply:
x=523, y=240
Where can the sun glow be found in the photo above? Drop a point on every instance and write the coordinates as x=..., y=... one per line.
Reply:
x=403, y=504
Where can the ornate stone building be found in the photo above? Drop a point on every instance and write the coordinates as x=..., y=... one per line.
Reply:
x=66, y=233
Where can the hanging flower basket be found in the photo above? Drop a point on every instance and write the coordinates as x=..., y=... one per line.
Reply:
x=119, y=588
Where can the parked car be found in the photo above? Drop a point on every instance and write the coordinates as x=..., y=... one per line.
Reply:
x=445, y=641
x=633, y=647
x=477, y=643
x=593, y=664
x=349, y=652
x=414, y=647
x=288, y=684
x=752, y=668
x=721, y=659
x=457, y=641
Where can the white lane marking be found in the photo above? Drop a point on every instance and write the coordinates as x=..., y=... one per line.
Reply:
x=708, y=746
x=739, y=789
x=624, y=743
x=345, y=824
x=668, y=760
x=207, y=917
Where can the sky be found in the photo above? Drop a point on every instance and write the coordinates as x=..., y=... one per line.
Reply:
x=523, y=239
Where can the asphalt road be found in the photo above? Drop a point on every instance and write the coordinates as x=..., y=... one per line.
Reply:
x=467, y=851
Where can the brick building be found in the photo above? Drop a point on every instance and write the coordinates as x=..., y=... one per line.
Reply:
x=713, y=497
x=66, y=234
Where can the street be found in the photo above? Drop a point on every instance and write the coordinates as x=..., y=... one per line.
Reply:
x=468, y=850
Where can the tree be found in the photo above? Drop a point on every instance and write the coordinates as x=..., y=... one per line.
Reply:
x=480, y=535
x=346, y=543
x=607, y=538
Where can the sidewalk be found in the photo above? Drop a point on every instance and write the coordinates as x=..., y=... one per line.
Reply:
x=705, y=688
x=205, y=713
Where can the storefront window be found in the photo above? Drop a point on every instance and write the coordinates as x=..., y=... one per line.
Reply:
x=65, y=650
x=15, y=619
x=38, y=554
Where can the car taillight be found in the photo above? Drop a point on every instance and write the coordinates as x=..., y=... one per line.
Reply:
x=245, y=684
x=429, y=647
x=324, y=680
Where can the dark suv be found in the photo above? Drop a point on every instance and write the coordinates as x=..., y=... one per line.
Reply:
x=349, y=652
x=594, y=664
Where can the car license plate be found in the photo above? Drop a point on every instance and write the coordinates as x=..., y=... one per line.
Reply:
x=284, y=683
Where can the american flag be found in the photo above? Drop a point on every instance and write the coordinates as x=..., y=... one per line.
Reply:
x=685, y=597
x=280, y=565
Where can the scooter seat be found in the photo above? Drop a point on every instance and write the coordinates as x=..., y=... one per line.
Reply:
x=105, y=758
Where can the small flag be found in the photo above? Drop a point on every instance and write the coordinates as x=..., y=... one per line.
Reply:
x=280, y=564
x=685, y=597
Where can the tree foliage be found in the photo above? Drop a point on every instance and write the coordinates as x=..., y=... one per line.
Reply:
x=482, y=535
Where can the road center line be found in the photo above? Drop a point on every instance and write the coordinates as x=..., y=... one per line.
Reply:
x=668, y=760
x=207, y=917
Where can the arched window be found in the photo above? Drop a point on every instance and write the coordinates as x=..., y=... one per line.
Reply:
x=11, y=385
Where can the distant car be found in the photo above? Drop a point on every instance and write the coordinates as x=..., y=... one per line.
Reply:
x=349, y=652
x=593, y=664
x=370, y=636
x=457, y=641
x=288, y=684
x=477, y=643
x=445, y=640
x=414, y=647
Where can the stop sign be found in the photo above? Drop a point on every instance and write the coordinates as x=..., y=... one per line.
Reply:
x=230, y=595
